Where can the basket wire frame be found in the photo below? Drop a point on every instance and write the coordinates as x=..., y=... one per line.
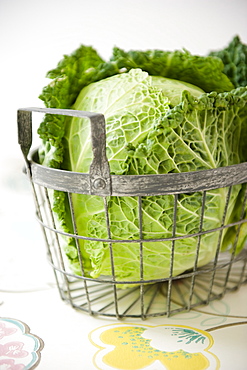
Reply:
x=143, y=298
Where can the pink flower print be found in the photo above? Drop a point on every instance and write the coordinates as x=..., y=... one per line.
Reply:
x=13, y=349
x=10, y=365
x=6, y=331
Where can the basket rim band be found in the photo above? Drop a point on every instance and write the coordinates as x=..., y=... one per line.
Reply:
x=141, y=185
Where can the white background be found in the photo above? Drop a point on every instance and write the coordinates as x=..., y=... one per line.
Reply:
x=34, y=36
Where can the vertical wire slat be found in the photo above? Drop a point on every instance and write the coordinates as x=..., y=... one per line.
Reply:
x=60, y=254
x=241, y=279
x=79, y=250
x=235, y=241
x=111, y=257
x=219, y=244
x=204, y=193
x=174, y=227
x=39, y=215
x=141, y=256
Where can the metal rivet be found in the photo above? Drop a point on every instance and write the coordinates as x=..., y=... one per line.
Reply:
x=99, y=183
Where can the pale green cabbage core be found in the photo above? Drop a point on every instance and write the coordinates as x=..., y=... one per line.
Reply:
x=173, y=88
x=131, y=103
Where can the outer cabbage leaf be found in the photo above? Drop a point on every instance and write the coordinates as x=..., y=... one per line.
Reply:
x=72, y=73
x=234, y=57
x=204, y=72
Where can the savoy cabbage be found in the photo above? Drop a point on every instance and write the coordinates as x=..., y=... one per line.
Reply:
x=165, y=112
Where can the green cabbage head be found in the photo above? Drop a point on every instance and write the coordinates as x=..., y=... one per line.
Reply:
x=154, y=125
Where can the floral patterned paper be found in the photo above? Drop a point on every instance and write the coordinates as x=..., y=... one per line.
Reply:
x=19, y=349
x=170, y=347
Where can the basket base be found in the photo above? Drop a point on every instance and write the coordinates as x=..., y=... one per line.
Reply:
x=160, y=299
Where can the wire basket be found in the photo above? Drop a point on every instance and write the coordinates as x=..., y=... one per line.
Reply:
x=143, y=298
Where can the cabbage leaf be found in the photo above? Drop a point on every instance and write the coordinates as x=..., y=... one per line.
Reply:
x=234, y=58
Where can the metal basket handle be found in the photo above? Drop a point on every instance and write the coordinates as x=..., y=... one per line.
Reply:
x=100, y=179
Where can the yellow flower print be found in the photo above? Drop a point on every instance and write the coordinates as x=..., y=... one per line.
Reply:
x=134, y=347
